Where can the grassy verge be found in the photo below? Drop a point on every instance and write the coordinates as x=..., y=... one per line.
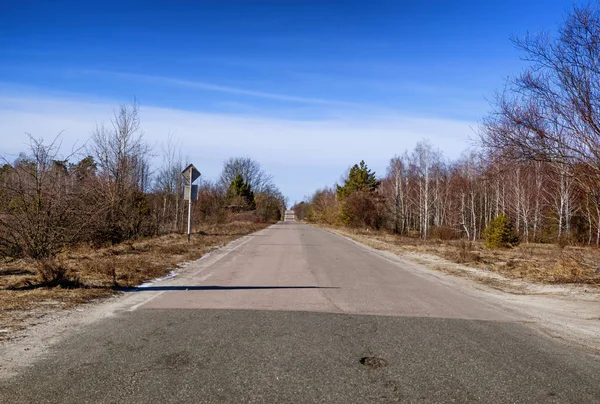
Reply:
x=542, y=263
x=88, y=274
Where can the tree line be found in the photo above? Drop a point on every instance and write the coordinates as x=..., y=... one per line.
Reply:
x=108, y=192
x=538, y=163
x=424, y=195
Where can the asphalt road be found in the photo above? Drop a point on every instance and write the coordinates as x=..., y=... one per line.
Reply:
x=296, y=314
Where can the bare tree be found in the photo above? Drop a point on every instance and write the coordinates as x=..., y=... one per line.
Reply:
x=43, y=210
x=251, y=172
x=424, y=159
x=551, y=111
x=395, y=191
x=169, y=184
x=324, y=207
x=123, y=167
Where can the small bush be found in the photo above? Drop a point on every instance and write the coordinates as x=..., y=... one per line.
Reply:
x=359, y=209
x=562, y=242
x=52, y=273
x=464, y=252
x=500, y=234
x=442, y=233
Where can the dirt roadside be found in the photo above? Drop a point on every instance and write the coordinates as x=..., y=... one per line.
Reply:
x=93, y=275
x=32, y=342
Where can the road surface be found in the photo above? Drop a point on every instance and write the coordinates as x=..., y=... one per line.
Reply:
x=295, y=314
x=289, y=216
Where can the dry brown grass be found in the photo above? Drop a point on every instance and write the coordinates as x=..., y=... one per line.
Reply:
x=27, y=294
x=543, y=263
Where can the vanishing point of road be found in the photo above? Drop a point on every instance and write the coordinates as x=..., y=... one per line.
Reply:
x=296, y=314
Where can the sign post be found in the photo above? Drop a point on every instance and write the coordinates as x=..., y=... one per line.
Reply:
x=190, y=192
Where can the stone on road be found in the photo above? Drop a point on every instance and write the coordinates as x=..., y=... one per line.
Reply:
x=298, y=314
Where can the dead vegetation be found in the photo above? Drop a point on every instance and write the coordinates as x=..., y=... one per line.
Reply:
x=542, y=263
x=29, y=288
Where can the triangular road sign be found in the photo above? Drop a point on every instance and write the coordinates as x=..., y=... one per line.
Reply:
x=190, y=173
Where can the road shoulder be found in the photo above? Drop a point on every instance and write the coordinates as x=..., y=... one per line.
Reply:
x=32, y=342
x=570, y=313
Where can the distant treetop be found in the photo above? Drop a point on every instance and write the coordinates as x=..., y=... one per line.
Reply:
x=360, y=178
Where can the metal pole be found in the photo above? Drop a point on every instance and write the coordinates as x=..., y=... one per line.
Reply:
x=190, y=209
x=190, y=215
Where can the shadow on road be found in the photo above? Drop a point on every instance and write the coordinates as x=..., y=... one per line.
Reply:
x=192, y=288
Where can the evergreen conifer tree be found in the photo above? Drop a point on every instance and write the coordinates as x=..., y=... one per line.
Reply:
x=241, y=192
x=360, y=178
x=500, y=234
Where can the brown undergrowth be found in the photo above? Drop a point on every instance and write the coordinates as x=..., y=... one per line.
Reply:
x=31, y=289
x=542, y=263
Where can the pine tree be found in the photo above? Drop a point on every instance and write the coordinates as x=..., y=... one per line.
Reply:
x=500, y=234
x=239, y=191
x=360, y=178
x=357, y=197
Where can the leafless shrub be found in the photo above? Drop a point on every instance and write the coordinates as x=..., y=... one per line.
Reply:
x=44, y=205
x=562, y=242
x=121, y=155
x=167, y=196
x=324, y=207
x=442, y=233
x=53, y=273
x=465, y=252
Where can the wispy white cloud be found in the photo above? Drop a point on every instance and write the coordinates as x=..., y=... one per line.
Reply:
x=303, y=155
x=217, y=88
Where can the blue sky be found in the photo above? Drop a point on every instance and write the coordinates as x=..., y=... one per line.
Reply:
x=307, y=88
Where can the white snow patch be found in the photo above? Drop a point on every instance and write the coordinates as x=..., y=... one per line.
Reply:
x=208, y=254
x=171, y=275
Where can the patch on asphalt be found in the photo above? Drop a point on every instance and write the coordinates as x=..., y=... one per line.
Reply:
x=373, y=362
